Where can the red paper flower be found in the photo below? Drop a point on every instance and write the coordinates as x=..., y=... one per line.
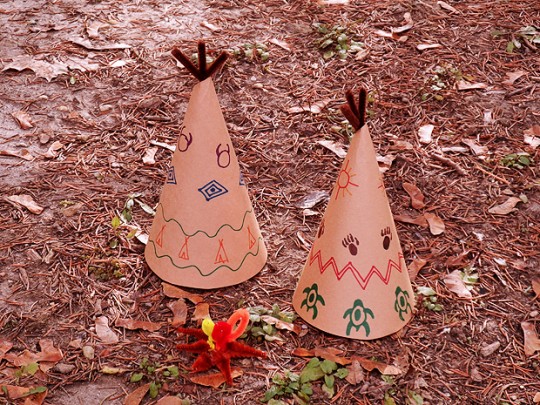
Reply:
x=217, y=344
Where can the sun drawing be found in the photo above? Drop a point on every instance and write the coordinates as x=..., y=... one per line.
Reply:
x=344, y=180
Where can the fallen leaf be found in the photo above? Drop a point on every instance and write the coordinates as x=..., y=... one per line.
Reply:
x=535, y=287
x=331, y=354
x=163, y=145
x=436, y=224
x=279, y=324
x=531, y=136
x=335, y=147
x=32, y=395
x=531, y=342
x=168, y=400
x=50, y=70
x=104, y=333
x=92, y=28
x=392, y=35
x=513, y=76
x=23, y=119
x=201, y=312
x=488, y=350
x=148, y=158
x=281, y=44
x=478, y=150
x=417, y=198
x=415, y=266
x=49, y=352
x=536, y=398
x=214, y=380
x=179, y=310
x=356, y=373
x=455, y=149
x=460, y=260
x=315, y=108
x=506, y=207
x=408, y=24
x=132, y=324
x=423, y=47
x=446, y=6
x=312, y=199
x=455, y=283
x=424, y=133
x=5, y=347
x=23, y=153
x=210, y=26
x=174, y=292
x=463, y=85
x=303, y=352
x=370, y=365
x=26, y=201
x=51, y=152
x=136, y=397
x=401, y=145
x=419, y=220
x=85, y=43
x=385, y=162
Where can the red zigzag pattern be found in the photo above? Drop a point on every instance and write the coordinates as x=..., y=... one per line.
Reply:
x=362, y=281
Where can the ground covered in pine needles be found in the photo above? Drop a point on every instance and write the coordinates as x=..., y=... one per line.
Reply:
x=91, y=101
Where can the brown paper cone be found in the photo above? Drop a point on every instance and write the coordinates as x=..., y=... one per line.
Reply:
x=205, y=233
x=355, y=282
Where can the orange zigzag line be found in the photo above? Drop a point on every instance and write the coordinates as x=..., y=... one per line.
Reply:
x=363, y=282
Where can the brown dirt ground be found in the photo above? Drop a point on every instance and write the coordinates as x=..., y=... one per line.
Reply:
x=56, y=273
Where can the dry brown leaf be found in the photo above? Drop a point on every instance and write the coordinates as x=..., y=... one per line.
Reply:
x=179, y=310
x=202, y=311
x=331, y=354
x=419, y=220
x=132, y=324
x=312, y=199
x=531, y=136
x=281, y=44
x=436, y=224
x=26, y=201
x=455, y=283
x=506, y=207
x=5, y=347
x=303, y=352
x=356, y=373
x=417, y=198
x=531, y=342
x=385, y=162
x=513, y=76
x=415, y=266
x=393, y=35
x=335, y=147
x=460, y=260
x=315, y=108
x=408, y=24
x=535, y=287
x=463, y=85
x=370, y=365
x=104, y=333
x=446, y=6
x=424, y=133
x=168, y=400
x=23, y=119
x=15, y=392
x=23, y=153
x=478, y=150
x=279, y=324
x=149, y=156
x=85, y=43
x=50, y=70
x=174, y=292
x=136, y=397
x=49, y=352
x=51, y=152
x=214, y=379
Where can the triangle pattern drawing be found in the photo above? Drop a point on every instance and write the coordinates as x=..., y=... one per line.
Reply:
x=221, y=256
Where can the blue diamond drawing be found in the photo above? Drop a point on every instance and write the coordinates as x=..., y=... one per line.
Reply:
x=171, y=177
x=212, y=190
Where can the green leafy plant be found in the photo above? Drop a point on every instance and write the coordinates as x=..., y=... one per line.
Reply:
x=299, y=386
x=336, y=41
x=430, y=299
x=260, y=329
x=125, y=217
x=518, y=160
x=528, y=36
x=440, y=79
x=156, y=374
x=252, y=51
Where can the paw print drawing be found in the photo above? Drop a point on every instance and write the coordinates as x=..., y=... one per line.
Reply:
x=386, y=233
x=351, y=242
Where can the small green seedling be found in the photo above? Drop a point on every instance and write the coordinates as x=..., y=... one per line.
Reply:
x=336, y=41
x=261, y=330
x=518, y=160
x=252, y=52
x=430, y=299
x=440, y=79
x=156, y=374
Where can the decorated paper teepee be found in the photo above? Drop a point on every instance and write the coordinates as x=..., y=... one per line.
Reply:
x=355, y=282
x=205, y=233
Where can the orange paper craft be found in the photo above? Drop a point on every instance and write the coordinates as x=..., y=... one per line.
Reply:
x=205, y=233
x=355, y=282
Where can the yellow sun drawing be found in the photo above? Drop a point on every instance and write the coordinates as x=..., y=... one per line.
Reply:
x=344, y=180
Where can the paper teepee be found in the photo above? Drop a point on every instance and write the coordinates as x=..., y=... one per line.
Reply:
x=355, y=282
x=205, y=233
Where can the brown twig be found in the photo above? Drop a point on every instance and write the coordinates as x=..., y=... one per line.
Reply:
x=450, y=163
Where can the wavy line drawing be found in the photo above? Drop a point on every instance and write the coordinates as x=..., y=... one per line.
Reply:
x=216, y=269
x=362, y=281
x=200, y=230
